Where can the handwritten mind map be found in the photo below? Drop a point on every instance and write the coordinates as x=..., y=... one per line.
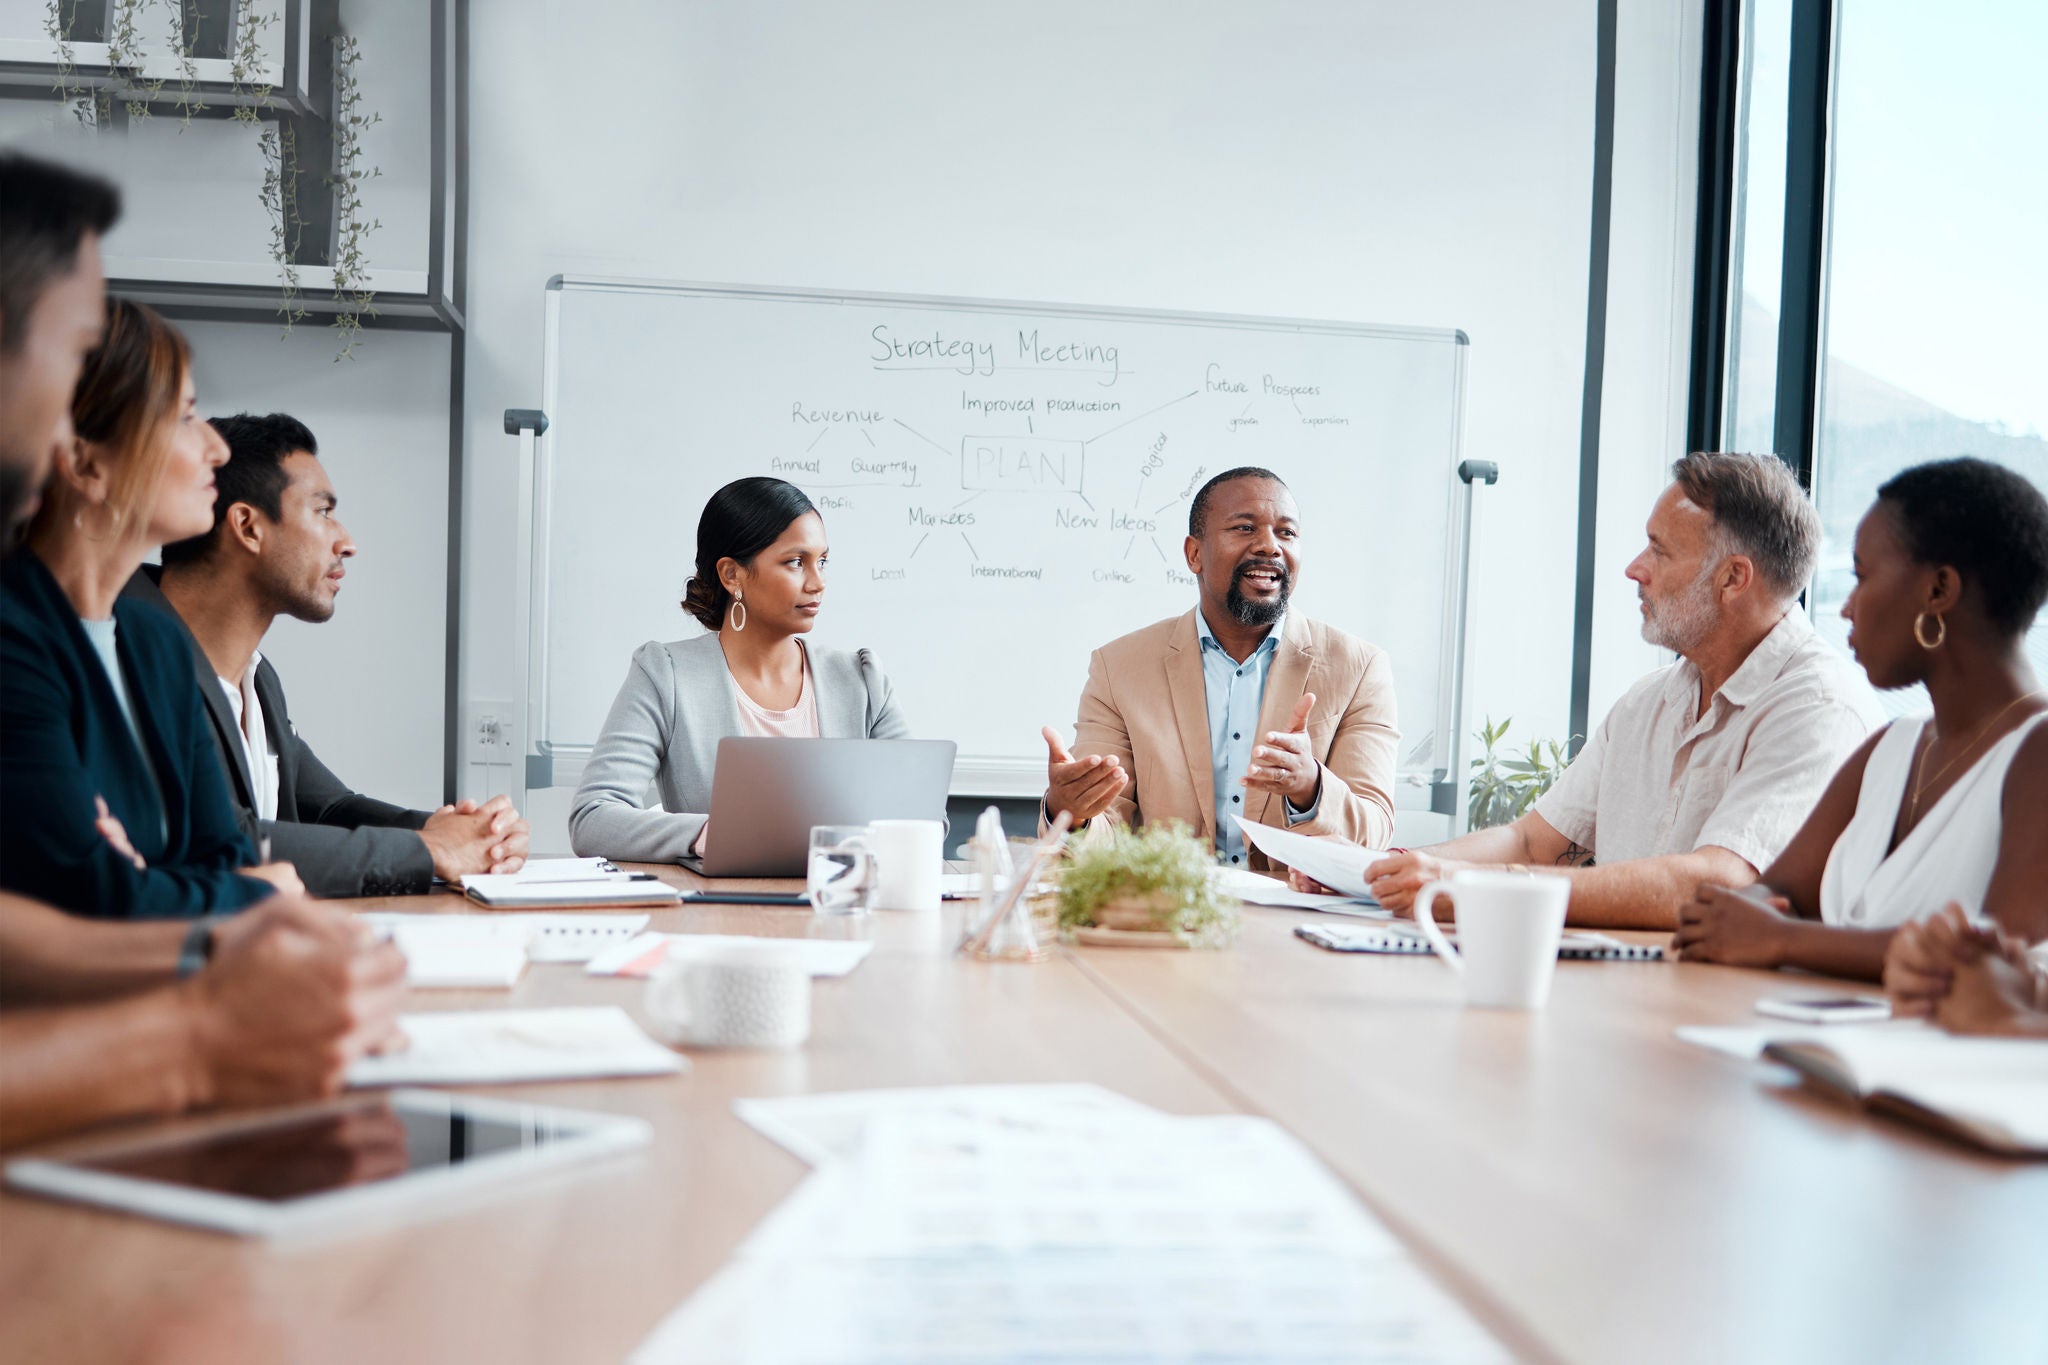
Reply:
x=999, y=482
x=1085, y=473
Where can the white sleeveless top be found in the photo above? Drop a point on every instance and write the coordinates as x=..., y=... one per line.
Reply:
x=1948, y=856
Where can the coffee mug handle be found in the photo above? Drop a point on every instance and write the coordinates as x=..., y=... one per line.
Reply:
x=1425, y=919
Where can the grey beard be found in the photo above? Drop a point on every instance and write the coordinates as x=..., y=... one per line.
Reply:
x=1683, y=621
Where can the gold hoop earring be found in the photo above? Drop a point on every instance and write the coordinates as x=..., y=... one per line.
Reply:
x=739, y=614
x=113, y=518
x=1940, y=631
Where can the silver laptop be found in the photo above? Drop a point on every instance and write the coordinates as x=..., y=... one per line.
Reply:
x=767, y=793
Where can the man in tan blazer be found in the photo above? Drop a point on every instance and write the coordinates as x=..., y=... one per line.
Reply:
x=1240, y=706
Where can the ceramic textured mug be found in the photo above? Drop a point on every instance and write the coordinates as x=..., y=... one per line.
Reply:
x=732, y=995
x=1509, y=925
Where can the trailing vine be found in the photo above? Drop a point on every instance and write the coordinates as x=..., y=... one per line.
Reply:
x=245, y=59
x=92, y=105
x=58, y=18
x=352, y=232
x=125, y=58
x=185, y=20
x=280, y=146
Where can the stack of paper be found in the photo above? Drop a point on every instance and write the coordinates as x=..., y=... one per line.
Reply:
x=1256, y=889
x=1059, y=1223
x=477, y=1047
x=1335, y=863
x=641, y=955
x=568, y=881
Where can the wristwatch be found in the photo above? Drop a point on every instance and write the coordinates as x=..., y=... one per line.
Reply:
x=197, y=949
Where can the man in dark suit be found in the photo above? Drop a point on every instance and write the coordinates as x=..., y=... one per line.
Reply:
x=277, y=548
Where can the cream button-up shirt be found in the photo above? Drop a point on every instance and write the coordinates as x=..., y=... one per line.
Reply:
x=1657, y=777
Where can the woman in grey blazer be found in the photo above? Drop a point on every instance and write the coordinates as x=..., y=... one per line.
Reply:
x=759, y=585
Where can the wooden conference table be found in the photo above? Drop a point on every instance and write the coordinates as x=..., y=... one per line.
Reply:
x=1592, y=1189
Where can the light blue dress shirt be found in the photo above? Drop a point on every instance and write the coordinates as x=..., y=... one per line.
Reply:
x=1235, y=692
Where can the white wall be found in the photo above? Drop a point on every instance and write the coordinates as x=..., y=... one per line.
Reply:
x=1386, y=163
x=1381, y=162
x=365, y=687
x=1649, y=315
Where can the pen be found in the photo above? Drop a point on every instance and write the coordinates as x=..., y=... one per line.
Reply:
x=746, y=898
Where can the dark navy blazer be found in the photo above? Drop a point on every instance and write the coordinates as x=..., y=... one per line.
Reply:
x=64, y=740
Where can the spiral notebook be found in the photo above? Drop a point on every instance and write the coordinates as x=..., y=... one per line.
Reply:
x=1406, y=938
x=492, y=950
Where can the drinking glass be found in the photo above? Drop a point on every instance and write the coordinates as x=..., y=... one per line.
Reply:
x=839, y=875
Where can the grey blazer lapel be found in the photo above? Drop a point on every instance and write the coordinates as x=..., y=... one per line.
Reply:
x=842, y=694
x=707, y=710
x=226, y=733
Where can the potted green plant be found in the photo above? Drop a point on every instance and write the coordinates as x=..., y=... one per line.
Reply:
x=1145, y=886
x=1502, y=787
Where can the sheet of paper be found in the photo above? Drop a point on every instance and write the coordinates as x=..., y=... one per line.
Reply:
x=567, y=870
x=574, y=937
x=511, y=890
x=460, y=950
x=1255, y=889
x=1102, y=1232
x=487, y=1046
x=641, y=955
x=818, y=1128
x=1333, y=862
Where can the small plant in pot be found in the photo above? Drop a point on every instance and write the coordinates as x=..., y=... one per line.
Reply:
x=1153, y=881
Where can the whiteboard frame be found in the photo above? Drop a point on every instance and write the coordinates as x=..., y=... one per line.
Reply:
x=547, y=764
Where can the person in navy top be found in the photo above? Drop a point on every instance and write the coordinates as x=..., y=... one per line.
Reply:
x=112, y=801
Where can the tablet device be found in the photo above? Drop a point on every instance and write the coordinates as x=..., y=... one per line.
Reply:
x=365, y=1157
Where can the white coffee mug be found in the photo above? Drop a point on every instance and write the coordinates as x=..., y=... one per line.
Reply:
x=733, y=995
x=909, y=856
x=1509, y=924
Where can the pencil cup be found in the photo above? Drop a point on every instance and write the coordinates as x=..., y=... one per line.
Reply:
x=1509, y=926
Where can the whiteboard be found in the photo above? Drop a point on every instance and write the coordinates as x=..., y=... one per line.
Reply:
x=1005, y=487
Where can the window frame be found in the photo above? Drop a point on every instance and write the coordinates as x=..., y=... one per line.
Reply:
x=1809, y=117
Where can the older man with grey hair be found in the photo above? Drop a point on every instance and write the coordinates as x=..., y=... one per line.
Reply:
x=1703, y=770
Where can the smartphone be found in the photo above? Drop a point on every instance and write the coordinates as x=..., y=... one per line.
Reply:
x=1838, y=1009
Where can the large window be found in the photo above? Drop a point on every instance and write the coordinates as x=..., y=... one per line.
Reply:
x=1930, y=296
x=1757, y=232
x=1935, y=305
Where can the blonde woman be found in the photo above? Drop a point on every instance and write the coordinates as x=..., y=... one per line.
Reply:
x=112, y=801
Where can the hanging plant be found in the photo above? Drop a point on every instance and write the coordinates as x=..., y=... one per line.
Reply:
x=185, y=20
x=280, y=146
x=352, y=232
x=58, y=18
x=277, y=139
x=252, y=96
x=125, y=58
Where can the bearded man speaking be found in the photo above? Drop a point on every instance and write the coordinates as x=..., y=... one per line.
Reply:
x=1238, y=707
